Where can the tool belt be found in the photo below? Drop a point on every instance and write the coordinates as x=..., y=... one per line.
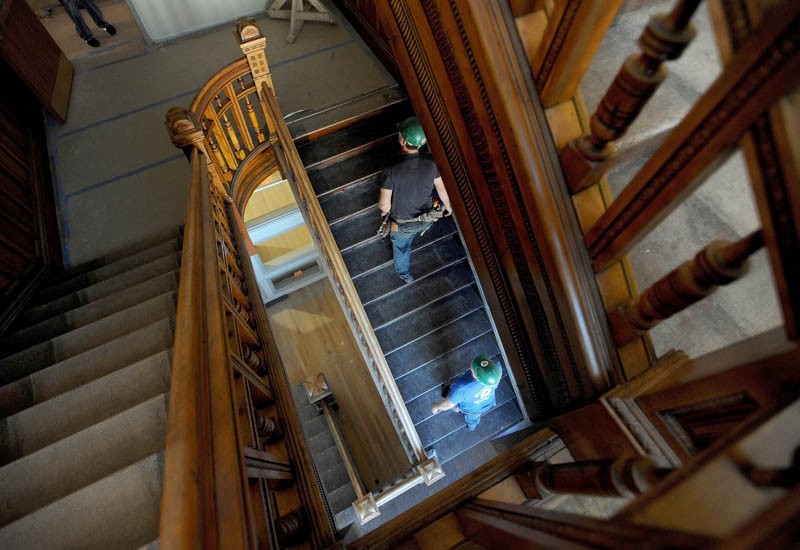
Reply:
x=429, y=216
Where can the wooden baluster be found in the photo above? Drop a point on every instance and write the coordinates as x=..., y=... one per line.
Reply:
x=622, y=477
x=268, y=428
x=764, y=69
x=238, y=117
x=573, y=34
x=587, y=158
x=251, y=113
x=720, y=263
x=254, y=361
x=290, y=529
x=229, y=130
x=220, y=148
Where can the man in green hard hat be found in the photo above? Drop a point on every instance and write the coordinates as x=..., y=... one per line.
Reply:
x=472, y=393
x=407, y=192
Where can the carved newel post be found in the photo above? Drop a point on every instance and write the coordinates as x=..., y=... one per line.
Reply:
x=253, y=45
x=585, y=160
x=184, y=131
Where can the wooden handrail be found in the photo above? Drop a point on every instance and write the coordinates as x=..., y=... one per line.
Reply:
x=343, y=285
x=338, y=438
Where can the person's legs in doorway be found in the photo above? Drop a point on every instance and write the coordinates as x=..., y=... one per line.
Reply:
x=74, y=13
x=97, y=16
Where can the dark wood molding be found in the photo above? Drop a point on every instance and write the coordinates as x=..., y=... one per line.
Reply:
x=470, y=84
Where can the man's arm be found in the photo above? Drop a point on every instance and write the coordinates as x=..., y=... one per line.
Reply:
x=443, y=405
x=442, y=192
x=385, y=201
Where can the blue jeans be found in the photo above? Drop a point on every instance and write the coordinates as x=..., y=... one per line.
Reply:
x=401, y=247
x=72, y=7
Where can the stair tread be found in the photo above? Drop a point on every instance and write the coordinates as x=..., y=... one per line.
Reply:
x=372, y=254
x=79, y=460
x=92, y=311
x=418, y=294
x=425, y=260
x=120, y=511
x=351, y=199
x=116, y=255
x=360, y=166
x=104, y=272
x=437, y=343
x=432, y=316
x=335, y=477
x=357, y=229
x=99, y=290
x=495, y=421
x=41, y=425
x=367, y=131
x=89, y=336
x=85, y=367
x=341, y=498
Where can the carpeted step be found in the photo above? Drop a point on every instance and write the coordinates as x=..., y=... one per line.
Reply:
x=425, y=261
x=41, y=425
x=437, y=343
x=335, y=477
x=89, y=336
x=373, y=254
x=432, y=428
x=356, y=229
x=462, y=440
x=92, y=311
x=362, y=134
x=120, y=511
x=418, y=294
x=428, y=318
x=81, y=459
x=85, y=367
x=122, y=265
x=430, y=378
x=100, y=290
x=358, y=167
x=350, y=199
x=115, y=256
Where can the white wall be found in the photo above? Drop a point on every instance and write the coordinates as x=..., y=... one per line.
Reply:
x=165, y=19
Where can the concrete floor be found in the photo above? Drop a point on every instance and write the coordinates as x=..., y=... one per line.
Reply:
x=722, y=208
x=119, y=178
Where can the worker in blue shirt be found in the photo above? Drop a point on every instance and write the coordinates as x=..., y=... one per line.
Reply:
x=472, y=393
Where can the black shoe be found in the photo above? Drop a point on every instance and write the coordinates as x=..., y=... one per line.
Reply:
x=445, y=390
x=93, y=42
x=110, y=29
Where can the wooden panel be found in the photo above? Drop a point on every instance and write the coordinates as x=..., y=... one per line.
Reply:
x=28, y=231
x=314, y=312
x=35, y=57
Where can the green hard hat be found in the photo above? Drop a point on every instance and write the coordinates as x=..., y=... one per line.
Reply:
x=411, y=130
x=485, y=370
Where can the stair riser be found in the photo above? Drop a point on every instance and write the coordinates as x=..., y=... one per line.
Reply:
x=60, y=469
x=41, y=425
x=84, y=368
x=119, y=511
x=101, y=290
x=108, y=271
x=90, y=336
x=92, y=311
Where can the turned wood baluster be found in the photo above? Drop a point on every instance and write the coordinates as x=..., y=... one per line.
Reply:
x=239, y=119
x=720, y=263
x=587, y=158
x=234, y=139
x=251, y=113
x=622, y=477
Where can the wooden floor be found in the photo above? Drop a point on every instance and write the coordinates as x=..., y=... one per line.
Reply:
x=313, y=336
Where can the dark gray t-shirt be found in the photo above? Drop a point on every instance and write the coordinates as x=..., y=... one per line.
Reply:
x=410, y=178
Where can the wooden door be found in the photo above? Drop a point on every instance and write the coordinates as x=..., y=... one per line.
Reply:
x=28, y=231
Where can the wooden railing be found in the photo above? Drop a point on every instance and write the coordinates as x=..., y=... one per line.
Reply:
x=229, y=387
